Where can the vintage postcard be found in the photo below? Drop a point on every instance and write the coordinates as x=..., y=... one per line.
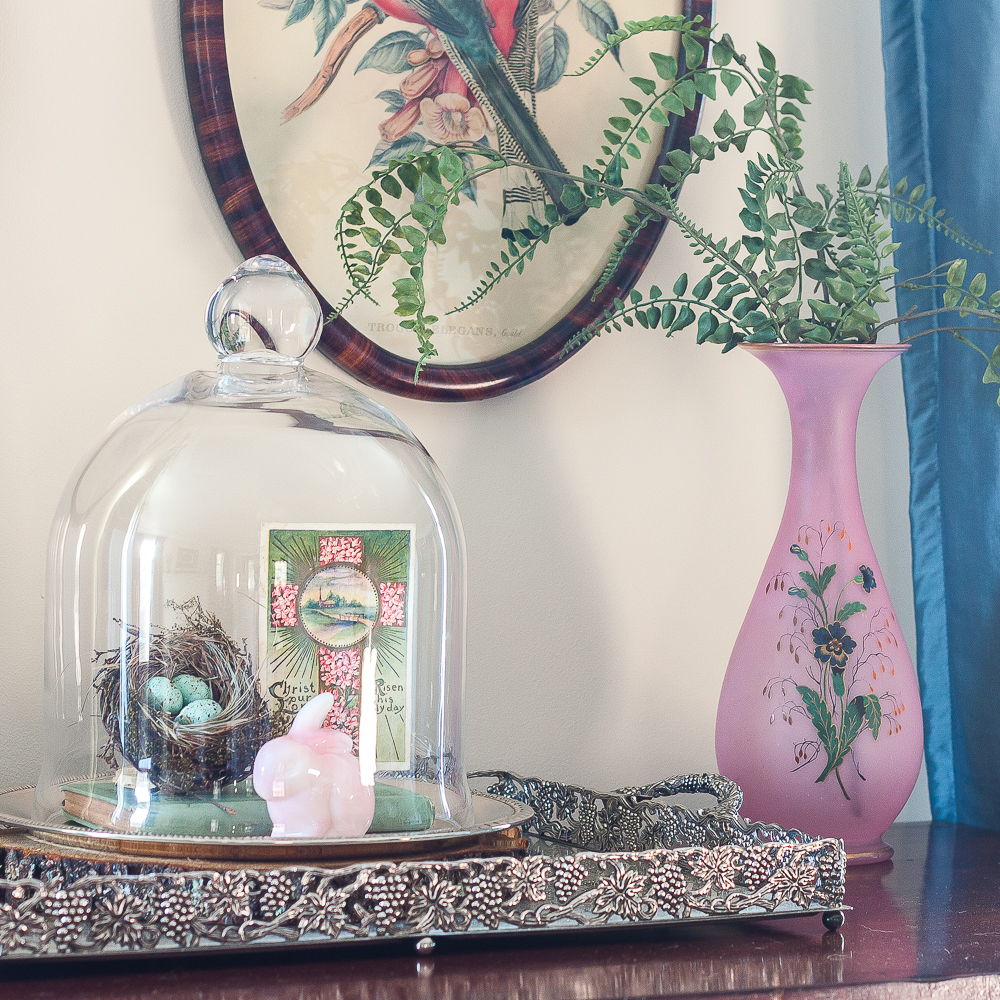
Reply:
x=333, y=592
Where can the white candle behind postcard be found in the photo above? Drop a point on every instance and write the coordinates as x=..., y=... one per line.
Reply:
x=617, y=512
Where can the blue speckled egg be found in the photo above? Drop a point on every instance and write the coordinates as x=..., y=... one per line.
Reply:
x=162, y=696
x=192, y=688
x=198, y=712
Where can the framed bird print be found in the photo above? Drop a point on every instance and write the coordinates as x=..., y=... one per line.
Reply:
x=296, y=102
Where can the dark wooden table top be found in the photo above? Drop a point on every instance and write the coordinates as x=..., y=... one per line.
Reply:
x=933, y=913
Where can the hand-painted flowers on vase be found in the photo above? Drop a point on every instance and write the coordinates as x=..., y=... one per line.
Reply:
x=834, y=694
x=834, y=646
x=812, y=721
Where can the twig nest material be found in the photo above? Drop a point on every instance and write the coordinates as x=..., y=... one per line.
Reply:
x=197, y=716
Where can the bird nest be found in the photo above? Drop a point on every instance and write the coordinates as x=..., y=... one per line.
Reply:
x=178, y=757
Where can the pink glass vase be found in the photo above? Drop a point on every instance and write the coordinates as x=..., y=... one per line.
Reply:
x=819, y=719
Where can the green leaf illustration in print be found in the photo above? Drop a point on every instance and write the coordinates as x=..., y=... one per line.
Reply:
x=438, y=54
x=412, y=142
x=327, y=14
x=599, y=20
x=843, y=645
x=388, y=54
x=553, y=55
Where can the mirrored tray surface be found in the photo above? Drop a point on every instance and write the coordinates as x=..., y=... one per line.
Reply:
x=491, y=815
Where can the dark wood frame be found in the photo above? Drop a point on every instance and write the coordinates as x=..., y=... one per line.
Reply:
x=250, y=223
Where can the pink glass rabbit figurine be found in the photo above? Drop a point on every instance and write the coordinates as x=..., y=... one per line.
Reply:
x=311, y=779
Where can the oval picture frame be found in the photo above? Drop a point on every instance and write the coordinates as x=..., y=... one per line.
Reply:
x=242, y=206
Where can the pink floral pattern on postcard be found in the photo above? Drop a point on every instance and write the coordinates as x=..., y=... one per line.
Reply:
x=341, y=548
x=340, y=668
x=393, y=600
x=284, y=598
x=345, y=716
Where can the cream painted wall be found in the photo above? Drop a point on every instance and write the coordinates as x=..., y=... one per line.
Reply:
x=617, y=513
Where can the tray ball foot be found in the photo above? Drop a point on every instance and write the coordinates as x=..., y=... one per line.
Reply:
x=833, y=920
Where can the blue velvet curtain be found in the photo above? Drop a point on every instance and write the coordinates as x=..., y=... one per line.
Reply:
x=942, y=77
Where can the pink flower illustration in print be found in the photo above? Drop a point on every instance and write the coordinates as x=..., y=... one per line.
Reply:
x=340, y=668
x=341, y=548
x=344, y=718
x=393, y=599
x=451, y=117
x=283, y=600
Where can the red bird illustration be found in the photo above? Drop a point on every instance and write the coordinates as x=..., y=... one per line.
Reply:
x=490, y=44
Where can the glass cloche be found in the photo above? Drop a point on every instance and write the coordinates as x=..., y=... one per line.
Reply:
x=256, y=604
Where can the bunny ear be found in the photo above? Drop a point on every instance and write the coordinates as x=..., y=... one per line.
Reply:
x=312, y=715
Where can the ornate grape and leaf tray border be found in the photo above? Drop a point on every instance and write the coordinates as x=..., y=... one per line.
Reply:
x=594, y=860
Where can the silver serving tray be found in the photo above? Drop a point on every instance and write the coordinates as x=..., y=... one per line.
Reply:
x=616, y=860
x=491, y=815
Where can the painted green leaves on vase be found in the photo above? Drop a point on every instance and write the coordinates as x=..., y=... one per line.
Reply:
x=850, y=608
x=844, y=648
x=821, y=718
x=820, y=585
x=862, y=711
x=872, y=708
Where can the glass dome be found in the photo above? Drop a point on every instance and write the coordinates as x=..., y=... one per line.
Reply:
x=255, y=617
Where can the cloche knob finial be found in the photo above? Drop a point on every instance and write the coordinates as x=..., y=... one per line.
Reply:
x=264, y=309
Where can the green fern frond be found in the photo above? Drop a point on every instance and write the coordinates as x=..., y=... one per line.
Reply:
x=512, y=260
x=626, y=237
x=904, y=205
x=632, y=28
x=862, y=224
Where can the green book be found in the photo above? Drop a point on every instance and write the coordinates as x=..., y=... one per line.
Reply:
x=398, y=810
x=236, y=812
